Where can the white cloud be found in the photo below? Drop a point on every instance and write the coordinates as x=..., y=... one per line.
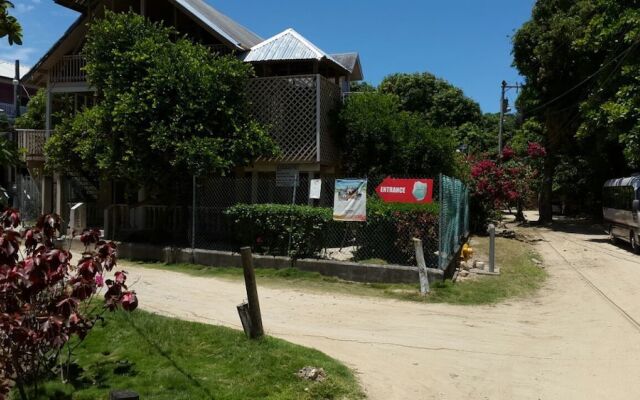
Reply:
x=22, y=8
x=23, y=54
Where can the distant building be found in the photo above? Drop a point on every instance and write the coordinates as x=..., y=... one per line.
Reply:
x=7, y=76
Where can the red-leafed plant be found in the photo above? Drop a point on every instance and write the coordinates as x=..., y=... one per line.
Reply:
x=511, y=182
x=45, y=300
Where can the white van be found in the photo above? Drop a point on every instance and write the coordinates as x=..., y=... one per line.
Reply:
x=620, y=208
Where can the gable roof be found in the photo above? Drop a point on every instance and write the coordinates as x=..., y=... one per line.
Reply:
x=236, y=34
x=8, y=69
x=288, y=45
x=351, y=61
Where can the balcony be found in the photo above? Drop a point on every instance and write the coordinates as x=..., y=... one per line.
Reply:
x=31, y=143
x=69, y=70
x=297, y=110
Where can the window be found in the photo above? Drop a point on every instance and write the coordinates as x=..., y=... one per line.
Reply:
x=618, y=197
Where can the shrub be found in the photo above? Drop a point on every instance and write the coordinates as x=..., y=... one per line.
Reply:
x=266, y=227
x=45, y=301
x=390, y=228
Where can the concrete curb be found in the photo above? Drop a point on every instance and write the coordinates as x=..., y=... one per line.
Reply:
x=349, y=271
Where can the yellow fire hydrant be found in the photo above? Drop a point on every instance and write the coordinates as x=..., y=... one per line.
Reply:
x=467, y=252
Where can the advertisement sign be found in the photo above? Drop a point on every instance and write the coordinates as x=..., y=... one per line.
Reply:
x=419, y=191
x=350, y=200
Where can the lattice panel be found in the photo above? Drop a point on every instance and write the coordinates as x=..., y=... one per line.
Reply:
x=329, y=101
x=287, y=105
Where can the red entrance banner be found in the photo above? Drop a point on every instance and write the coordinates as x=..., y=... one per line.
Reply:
x=406, y=190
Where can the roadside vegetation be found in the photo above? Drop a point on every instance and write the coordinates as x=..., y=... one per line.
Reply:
x=168, y=359
x=520, y=277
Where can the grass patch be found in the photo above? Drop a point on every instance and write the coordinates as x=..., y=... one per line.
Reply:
x=169, y=359
x=519, y=277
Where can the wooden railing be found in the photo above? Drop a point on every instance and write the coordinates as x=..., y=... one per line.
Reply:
x=31, y=142
x=69, y=70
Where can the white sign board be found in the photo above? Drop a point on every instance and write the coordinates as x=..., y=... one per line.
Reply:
x=315, y=187
x=287, y=177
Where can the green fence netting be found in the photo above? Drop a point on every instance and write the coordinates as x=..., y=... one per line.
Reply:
x=454, y=218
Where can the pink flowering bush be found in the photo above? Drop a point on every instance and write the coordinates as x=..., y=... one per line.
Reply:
x=45, y=299
x=512, y=182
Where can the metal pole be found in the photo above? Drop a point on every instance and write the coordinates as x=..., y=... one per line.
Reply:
x=293, y=203
x=492, y=247
x=16, y=91
x=193, y=220
x=502, y=110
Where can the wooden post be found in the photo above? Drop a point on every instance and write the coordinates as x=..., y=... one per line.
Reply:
x=422, y=267
x=252, y=293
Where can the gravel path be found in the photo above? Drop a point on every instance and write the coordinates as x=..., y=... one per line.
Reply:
x=578, y=338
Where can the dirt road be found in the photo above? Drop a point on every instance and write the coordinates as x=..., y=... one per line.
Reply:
x=577, y=339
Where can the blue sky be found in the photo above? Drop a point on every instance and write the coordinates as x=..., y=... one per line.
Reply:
x=466, y=42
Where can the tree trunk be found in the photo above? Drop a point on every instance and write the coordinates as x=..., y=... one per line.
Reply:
x=546, y=191
x=520, y=212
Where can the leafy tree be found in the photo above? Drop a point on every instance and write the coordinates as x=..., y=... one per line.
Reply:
x=482, y=137
x=9, y=25
x=580, y=60
x=378, y=138
x=362, y=87
x=8, y=149
x=35, y=116
x=440, y=103
x=161, y=105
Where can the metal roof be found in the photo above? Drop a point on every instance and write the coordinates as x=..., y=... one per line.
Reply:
x=633, y=181
x=287, y=46
x=232, y=31
x=350, y=61
x=8, y=69
x=77, y=5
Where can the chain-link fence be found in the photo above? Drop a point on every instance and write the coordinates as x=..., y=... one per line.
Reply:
x=384, y=238
x=27, y=197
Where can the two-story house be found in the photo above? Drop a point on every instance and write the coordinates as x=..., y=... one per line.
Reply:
x=297, y=86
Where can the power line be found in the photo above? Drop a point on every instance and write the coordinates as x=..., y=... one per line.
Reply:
x=587, y=79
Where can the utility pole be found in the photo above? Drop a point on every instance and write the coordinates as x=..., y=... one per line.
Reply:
x=16, y=91
x=504, y=108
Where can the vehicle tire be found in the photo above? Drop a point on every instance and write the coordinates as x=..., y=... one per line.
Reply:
x=635, y=247
x=612, y=238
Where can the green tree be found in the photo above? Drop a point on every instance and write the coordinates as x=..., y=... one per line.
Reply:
x=165, y=109
x=357, y=87
x=378, y=138
x=580, y=61
x=482, y=137
x=35, y=116
x=9, y=25
x=440, y=103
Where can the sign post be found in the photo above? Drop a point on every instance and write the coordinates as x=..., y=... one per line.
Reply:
x=287, y=176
